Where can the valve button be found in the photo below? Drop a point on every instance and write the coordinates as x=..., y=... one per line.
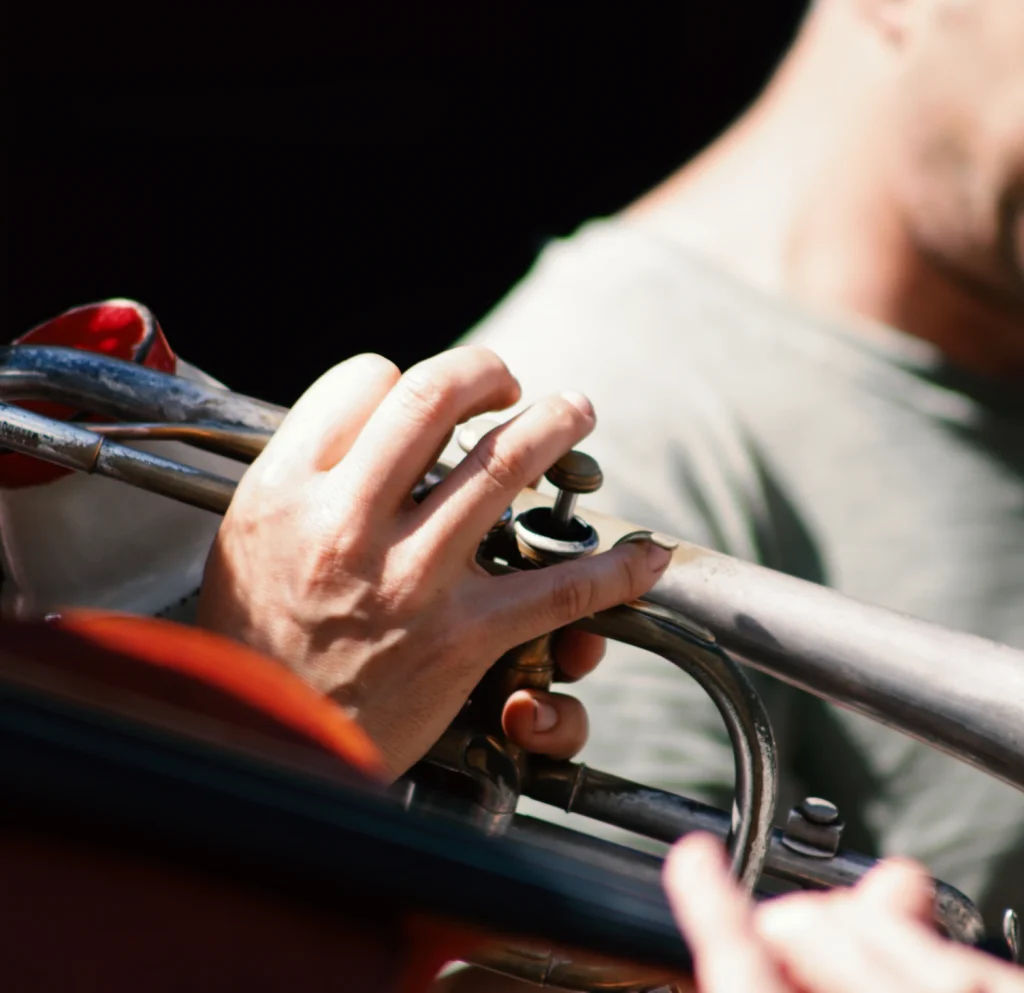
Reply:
x=576, y=472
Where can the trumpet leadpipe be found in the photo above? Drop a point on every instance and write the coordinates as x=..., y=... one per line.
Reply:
x=957, y=692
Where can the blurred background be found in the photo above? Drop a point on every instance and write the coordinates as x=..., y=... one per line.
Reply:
x=288, y=187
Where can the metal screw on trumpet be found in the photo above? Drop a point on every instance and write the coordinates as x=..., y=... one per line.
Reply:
x=814, y=828
x=818, y=811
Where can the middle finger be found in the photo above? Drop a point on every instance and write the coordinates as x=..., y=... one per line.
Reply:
x=475, y=493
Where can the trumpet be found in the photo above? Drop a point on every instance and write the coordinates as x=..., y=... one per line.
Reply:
x=710, y=615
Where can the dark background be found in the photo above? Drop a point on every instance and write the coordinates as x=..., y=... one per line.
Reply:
x=287, y=187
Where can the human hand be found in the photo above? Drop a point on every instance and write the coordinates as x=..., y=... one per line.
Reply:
x=325, y=562
x=875, y=937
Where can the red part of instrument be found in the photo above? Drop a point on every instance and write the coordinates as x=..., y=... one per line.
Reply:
x=92, y=916
x=122, y=329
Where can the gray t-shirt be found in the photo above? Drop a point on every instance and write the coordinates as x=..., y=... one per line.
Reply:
x=854, y=458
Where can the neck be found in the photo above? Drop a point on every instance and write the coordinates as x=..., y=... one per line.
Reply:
x=847, y=253
x=776, y=201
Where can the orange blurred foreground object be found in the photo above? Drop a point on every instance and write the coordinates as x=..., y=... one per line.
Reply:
x=87, y=908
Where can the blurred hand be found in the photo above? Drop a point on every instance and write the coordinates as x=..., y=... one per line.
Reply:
x=325, y=562
x=873, y=938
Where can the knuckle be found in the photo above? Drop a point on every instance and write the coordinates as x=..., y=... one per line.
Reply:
x=479, y=365
x=426, y=394
x=580, y=593
x=631, y=579
x=372, y=364
x=266, y=490
x=270, y=480
x=479, y=356
x=573, y=595
x=363, y=367
x=565, y=417
x=502, y=462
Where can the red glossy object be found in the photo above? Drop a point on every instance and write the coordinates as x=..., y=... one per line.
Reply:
x=122, y=329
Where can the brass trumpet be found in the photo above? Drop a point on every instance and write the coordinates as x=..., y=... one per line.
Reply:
x=709, y=615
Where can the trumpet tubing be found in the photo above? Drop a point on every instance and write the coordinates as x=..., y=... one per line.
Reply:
x=706, y=613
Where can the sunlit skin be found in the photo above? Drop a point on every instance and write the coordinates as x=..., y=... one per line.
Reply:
x=325, y=562
x=880, y=176
x=875, y=937
x=872, y=938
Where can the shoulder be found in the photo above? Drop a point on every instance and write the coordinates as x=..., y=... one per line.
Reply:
x=619, y=296
x=625, y=317
x=606, y=280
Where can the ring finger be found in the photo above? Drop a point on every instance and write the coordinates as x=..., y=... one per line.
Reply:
x=576, y=653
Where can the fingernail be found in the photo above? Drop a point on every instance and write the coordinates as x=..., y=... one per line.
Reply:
x=659, y=547
x=658, y=557
x=545, y=717
x=580, y=402
x=663, y=540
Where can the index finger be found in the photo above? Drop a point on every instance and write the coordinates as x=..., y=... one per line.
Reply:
x=325, y=421
x=717, y=920
x=411, y=424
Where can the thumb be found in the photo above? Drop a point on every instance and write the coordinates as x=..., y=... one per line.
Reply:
x=533, y=603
